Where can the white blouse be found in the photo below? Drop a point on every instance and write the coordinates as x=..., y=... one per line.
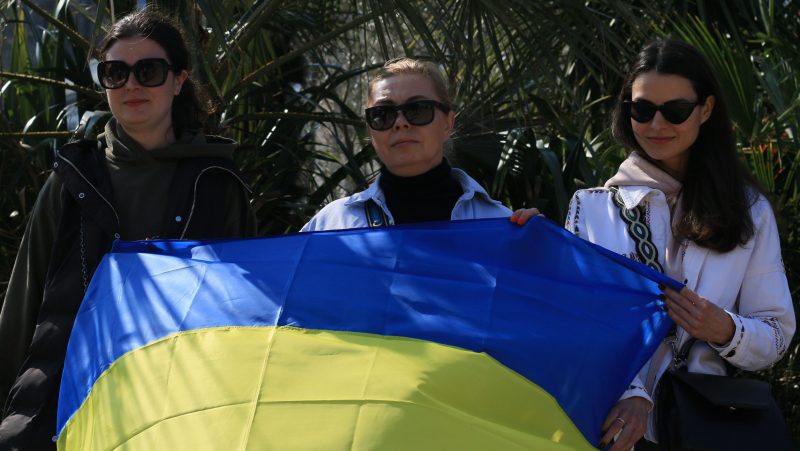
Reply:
x=748, y=282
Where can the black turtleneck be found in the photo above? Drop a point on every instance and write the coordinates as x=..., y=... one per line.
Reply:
x=426, y=197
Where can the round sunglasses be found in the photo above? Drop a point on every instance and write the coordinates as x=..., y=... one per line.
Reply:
x=418, y=112
x=149, y=72
x=675, y=111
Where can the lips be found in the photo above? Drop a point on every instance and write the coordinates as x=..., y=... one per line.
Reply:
x=660, y=139
x=405, y=141
x=135, y=102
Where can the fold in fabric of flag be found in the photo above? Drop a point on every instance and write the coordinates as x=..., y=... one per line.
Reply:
x=457, y=335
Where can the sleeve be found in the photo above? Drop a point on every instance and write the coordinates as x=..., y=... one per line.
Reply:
x=636, y=386
x=765, y=321
x=26, y=286
x=310, y=226
x=316, y=223
x=573, y=215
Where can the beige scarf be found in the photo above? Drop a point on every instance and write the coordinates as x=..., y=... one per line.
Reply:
x=638, y=171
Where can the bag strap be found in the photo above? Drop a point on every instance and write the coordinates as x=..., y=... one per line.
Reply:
x=681, y=356
x=638, y=230
x=375, y=214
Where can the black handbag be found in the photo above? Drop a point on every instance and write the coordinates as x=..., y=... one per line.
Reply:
x=708, y=412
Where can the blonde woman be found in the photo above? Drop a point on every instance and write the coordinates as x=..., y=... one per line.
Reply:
x=410, y=118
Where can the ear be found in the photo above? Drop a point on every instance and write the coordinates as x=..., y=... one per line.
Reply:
x=707, y=108
x=179, y=79
x=451, y=123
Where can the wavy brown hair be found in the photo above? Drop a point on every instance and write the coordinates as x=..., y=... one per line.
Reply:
x=718, y=190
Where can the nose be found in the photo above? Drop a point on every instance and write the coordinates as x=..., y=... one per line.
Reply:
x=401, y=121
x=132, y=82
x=658, y=120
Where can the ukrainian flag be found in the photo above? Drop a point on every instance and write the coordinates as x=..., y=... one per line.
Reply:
x=470, y=335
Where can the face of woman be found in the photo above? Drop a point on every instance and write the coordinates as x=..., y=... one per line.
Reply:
x=408, y=150
x=140, y=109
x=664, y=142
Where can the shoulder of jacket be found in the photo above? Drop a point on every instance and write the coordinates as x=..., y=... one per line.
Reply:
x=84, y=145
x=592, y=193
x=761, y=210
x=82, y=155
x=479, y=194
x=202, y=164
x=595, y=190
x=220, y=172
x=215, y=139
x=339, y=206
x=339, y=214
x=79, y=146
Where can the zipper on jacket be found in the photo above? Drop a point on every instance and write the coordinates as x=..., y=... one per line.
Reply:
x=194, y=193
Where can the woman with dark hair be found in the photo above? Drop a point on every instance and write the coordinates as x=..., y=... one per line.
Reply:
x=410, y=118
x=683, y=203
x=151, y=174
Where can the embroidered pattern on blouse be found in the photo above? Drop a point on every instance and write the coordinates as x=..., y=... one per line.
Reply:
x=574, y=226
x=637, y=388
x=780, y=341
x=732, y=352
x=633, y=256
x=638, y=230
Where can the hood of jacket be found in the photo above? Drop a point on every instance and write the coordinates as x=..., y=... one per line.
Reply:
x=122, y=150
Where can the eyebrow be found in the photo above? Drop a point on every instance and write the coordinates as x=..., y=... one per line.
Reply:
x=386, y=101
x=677, y=99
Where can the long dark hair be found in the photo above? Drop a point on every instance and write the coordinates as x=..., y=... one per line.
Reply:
x=718, y=190
x=191, y=107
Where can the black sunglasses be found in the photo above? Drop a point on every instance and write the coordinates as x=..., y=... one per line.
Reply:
x=418, y=112
x=675, y=111
x=149, y=72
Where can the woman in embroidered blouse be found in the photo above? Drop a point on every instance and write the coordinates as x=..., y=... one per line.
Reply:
x=712, y=227
x=410, y=118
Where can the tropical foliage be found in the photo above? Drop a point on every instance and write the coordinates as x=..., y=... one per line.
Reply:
x=533, y=81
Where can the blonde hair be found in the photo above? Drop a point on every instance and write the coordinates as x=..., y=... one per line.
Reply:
x=411, y=66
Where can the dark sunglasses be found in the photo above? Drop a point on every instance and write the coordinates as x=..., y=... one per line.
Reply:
x=418, y=112
x=674, y=111
x=149, y=72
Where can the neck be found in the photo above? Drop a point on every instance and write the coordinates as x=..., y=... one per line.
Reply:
x=675, y=170
x=430, y=196
x=675, y=167
x=431, y=176
x=416, y=169
x=149, y=139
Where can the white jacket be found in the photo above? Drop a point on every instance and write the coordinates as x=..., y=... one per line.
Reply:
x=749, y=282
x=348, y=212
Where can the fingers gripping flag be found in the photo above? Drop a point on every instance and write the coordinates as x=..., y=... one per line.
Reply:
x=458, y=335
